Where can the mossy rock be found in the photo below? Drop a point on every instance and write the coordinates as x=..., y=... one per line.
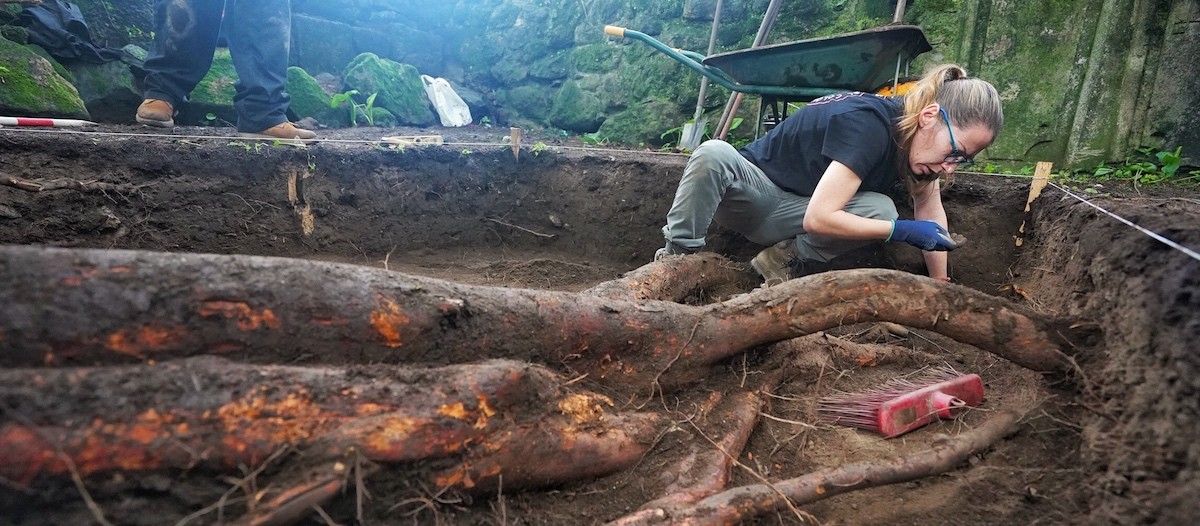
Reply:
x=217, y=87
x=398, y=86
x=554, y=67
x=32, y=87
x=16, y=34
x=309, y=100
x=214, y=94
x=532, y=101
x=643, y=123
x=576, y=110
x=594, y=58
x=54, y=63
x=108, y=90
x=383, y=118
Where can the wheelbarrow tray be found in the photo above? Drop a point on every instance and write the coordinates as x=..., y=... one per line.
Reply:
x=858, y=61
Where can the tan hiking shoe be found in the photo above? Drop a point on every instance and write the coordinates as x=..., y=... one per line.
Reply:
x=157, y=113
x=774, y=263
x=286, y=131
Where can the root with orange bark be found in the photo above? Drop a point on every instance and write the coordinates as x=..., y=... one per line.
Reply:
x=462, y=426
x=458, y=427
x=93, y=307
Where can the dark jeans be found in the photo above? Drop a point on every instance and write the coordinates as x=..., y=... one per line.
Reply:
x=259, y=34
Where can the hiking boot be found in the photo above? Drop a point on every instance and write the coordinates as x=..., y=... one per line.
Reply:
x=157, y=113
x=285, y=131
x=775, y=262
x=670, y=250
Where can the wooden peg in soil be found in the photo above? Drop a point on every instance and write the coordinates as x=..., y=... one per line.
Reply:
x=1041, y=177
x=515, y=136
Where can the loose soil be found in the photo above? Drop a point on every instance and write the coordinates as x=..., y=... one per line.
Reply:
x=1116, y=443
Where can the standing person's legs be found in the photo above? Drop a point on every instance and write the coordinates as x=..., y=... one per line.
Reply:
x=260, y=39
x=185, y=37
x=717, y=182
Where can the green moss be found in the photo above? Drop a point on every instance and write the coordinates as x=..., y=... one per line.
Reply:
x=32, y=86
x=643, y=124
x=398, y=86
x=217, y=87
x=532, y=101
x=554, y=67
x=58, y=68
x=594, y=58
x=576, y=110
x=16, y=34
x=309, y=100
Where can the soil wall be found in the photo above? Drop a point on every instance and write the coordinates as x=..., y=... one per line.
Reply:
x=1139, y=409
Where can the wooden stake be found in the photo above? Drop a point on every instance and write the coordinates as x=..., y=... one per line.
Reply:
x=515, y=136
x=1041, y=177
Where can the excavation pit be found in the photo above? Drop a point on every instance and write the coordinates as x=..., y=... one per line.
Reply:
x=1111, y=438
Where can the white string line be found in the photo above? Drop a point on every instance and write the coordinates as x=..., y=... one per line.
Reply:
x=1191, y=253
x=368, y=142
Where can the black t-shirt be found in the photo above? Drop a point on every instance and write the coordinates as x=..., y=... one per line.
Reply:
x=852, y=128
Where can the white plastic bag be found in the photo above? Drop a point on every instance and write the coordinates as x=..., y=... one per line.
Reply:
x=451, y=109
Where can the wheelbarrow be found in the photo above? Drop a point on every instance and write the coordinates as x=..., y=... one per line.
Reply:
x=869, y=61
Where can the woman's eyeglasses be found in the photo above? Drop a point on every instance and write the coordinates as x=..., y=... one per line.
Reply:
x=956, y=156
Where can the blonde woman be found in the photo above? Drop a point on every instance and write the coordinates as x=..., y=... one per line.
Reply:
x=814, y=187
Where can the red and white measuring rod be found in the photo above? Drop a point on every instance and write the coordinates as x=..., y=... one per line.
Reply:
x=45, y=123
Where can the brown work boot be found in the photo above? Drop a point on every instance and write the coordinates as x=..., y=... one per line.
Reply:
x=285, y=131
x=775, y=262
x=157, y=113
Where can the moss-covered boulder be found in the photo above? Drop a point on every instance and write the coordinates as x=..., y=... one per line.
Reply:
x=556, y=66
x=108, y=90
x=531, y=100
x=576, y=110
x=309, y=100
x=398, y=87
x=595, y=58
x=213, y=96
x=32, y=87
x=643, y=123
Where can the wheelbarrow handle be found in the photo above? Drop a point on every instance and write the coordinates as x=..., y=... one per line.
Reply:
x=614, y=31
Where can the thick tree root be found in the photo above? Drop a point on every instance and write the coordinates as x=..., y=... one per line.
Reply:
x=471, y=424
x=678, y=279
x=740, y=504
x=95, y=307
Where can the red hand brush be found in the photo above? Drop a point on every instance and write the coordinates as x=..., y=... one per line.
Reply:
x=904, y=404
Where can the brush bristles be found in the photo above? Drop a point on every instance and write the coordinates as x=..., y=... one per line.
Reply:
x=861, y=409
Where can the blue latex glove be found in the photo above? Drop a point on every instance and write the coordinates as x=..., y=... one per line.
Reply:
x=925, y=235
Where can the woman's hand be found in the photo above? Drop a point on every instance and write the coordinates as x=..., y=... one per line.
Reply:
x=925, y=235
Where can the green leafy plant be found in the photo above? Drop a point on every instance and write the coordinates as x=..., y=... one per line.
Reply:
x=485, y=121
x=538, y=148
x=366, y=110
x=593, y=139
x=466, y=151
x=1149, y=167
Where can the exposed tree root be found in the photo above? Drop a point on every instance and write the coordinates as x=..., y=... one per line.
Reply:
x=677, y=279
x=468, y=427
x=705, y=469
x=744, y=503
x=45, y=185
x=94, y=307
x=474, y=423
